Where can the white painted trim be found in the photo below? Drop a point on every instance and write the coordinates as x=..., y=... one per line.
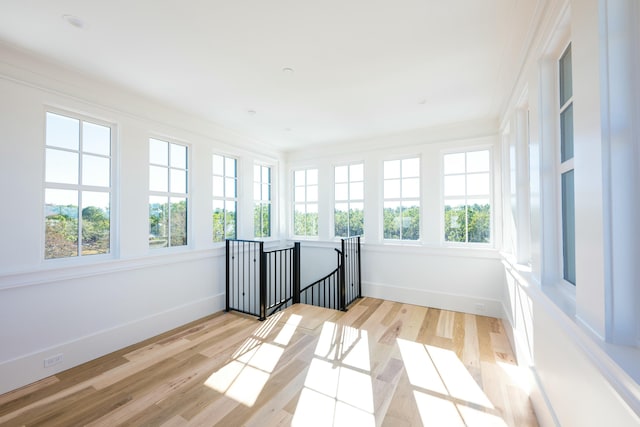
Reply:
x=441, y=300
x=74, y=270
x=29, y=368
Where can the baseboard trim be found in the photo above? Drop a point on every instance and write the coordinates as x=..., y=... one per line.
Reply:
x=462, y=303
x=29, y=368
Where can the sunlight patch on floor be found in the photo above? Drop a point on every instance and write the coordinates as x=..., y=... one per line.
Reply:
x=244, y=377
x=338, y=388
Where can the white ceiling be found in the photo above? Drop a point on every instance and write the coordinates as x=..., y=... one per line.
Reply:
x=362, y=68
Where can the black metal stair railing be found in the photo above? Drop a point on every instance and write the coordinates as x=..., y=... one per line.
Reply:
x=260, y=282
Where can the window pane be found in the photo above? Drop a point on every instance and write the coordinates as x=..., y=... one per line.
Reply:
x=568, y=228
x=158, y=152
x=566, y=133
x=342, y=191
x=391, y=169
x=230, y=167
x=410, y=221
x=178, y=181
x=218, y=165
x=266, y=192
x=218, y=186
x=299, y=178
x=257, y=194
x=455, y=221
x=95, y=223
x=391, y=220
x=230, y=219
x=566, y=83
x=178, y=221
x=312, y=193
x=410, y=168
x=61, y=223
x=478, y=184
x=158, y=178
x=341, y=220
x=392, y=189
x=300, y=194
x=357, y=172
x=410, y=188
x=454, y=185
x=312, y=220
x=478, y=161
x=266, y=174
x=342, y=173
x=299, y=220
x=479, y=221
x=61, y=166
x=356, y=191
x=178, y=156
x=96, y=171
x=218, y=220
x=158, y=222
x=454, y=163
x=356, y=219
x=230, y=187
x=312, y=177
x=63, y=132
x=96, y=139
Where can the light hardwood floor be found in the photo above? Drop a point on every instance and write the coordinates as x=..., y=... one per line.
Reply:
x=380, y=363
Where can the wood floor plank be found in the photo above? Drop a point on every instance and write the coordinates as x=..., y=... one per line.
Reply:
x=231, y=370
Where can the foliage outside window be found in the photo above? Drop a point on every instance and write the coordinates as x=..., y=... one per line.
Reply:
x=566, y=168
x=168, y=174
x=225, y=198
x=349, y=200
x=77, y=207
x=467, y=195
x=305, y=215
x=262, y=201
x=401, y=214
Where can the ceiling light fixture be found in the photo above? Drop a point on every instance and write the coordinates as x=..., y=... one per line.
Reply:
x=251, y=112
x=74, y=21
x=287, y=70
x=422, y=101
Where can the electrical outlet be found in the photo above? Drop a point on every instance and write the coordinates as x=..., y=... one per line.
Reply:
x=53, y=360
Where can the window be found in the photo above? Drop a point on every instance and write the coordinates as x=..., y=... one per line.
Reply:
x=566, y=167
x=78, y=187
x=305, y=215
x=401, y=214
x=261, y=201
x=348, y=214
x=225, y=198
x=467, y=197
x=168, y=176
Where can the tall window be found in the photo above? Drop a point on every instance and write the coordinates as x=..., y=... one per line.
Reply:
x=225, y=197
x=566, y=167
x=305, y=215
x=349, y=200
x=467, y=197
x=401, y=213
x=77, y=187
x=261, y=201
x=168, y=174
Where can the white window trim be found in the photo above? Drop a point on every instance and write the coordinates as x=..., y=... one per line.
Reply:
x=292, y=223
x=114, y=243
x=420, y=239
x=273, y=195
x=466, y=149
x=187, y=195
x=236, y=199
x=349, y=201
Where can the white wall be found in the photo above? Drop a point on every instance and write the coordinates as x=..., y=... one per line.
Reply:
x=427, y=272
x=566, y=337
x=85, y=308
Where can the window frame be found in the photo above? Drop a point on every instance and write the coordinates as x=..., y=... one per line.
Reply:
x=400, y=199
x=224, y=198
x=81, y=187
x=262, y=201
x=171, y=194
x=564, y=167
x=465, y=150
x=349, y=200
x=305, y=203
